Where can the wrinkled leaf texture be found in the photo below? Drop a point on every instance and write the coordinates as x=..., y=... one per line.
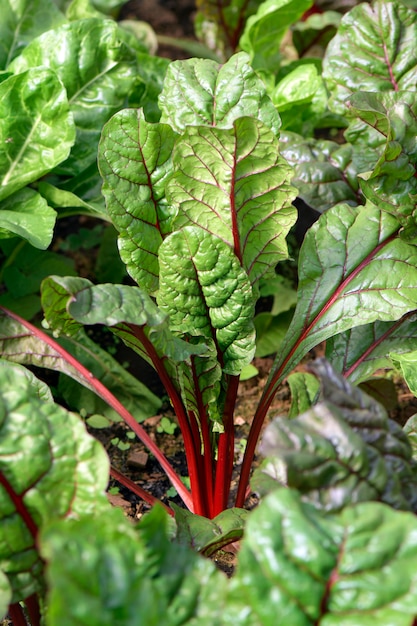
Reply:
x=50, y=468
x=373, y=50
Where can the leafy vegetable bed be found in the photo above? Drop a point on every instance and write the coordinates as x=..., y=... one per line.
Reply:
x=194, y=169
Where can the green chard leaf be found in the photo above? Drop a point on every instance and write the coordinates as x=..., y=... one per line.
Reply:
x=323, y=170
x=135, y=162
x=344, y=449
x=385, y=150
x=98, y=70
x=200, y=92
x=264, y=31
x=39, y=134
x=26, y=213
x=21, y=22
x=235, y=184
x=129, y=576
x=348, y=277
x=373, y=50
x=359, y=352
x=297, y=567
x=206, y=293
x=50, y=468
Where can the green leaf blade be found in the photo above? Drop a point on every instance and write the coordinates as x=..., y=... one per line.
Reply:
x=372, y=51
x=206, y=293
x=200, y=92
x=26, y=213
x=41, y=132
x=235, y=184
x=135, y=162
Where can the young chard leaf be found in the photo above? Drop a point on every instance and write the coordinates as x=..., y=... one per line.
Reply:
x=135, y=162
x=235, y=184
x=298, y=567
x=26, y=213
x=57, y=470
x=41, y=131
x=374, y=50
x=264, y=31
x=205, y=292
x=97, y=69
x=200, y=92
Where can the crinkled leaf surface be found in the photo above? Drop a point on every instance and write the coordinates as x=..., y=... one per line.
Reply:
x=264, y=31
x=39, y=134
x=234, y=184
x=205, y=292
x=209, y=535
x=323, y=170
x=127, y=577
x=49, y=468
x=359, y=352
x=348, y=276
x=98, y=70
x=36, y=385
x=26, y=213
x=300, y=568
x=385, y=149
x=200, y=92
x=344, y=449
x=22, y=21
x=374, y=50
x=135, y=162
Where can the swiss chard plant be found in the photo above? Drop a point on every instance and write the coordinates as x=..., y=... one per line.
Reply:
x=200, y=188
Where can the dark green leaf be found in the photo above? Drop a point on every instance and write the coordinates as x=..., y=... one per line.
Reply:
x=344, y=449
x=209, y=535
x=49, y=468
x=304, y=389
x=298, y=568
x=323, y=170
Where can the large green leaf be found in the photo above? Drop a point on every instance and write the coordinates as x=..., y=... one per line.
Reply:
x=373, y=51
x=127, y=577
x=98, y=70
x=22, y=21
x=323, y=170
x=36, y=128
x=349, y=268
x=360, y=351
x=297, y=567
x=49, y=468
x=200, y=92
x=26, y=213
x=342, y=450
x=264, y=31
x=235, y=184
x=205, y=292
x=135, y=162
